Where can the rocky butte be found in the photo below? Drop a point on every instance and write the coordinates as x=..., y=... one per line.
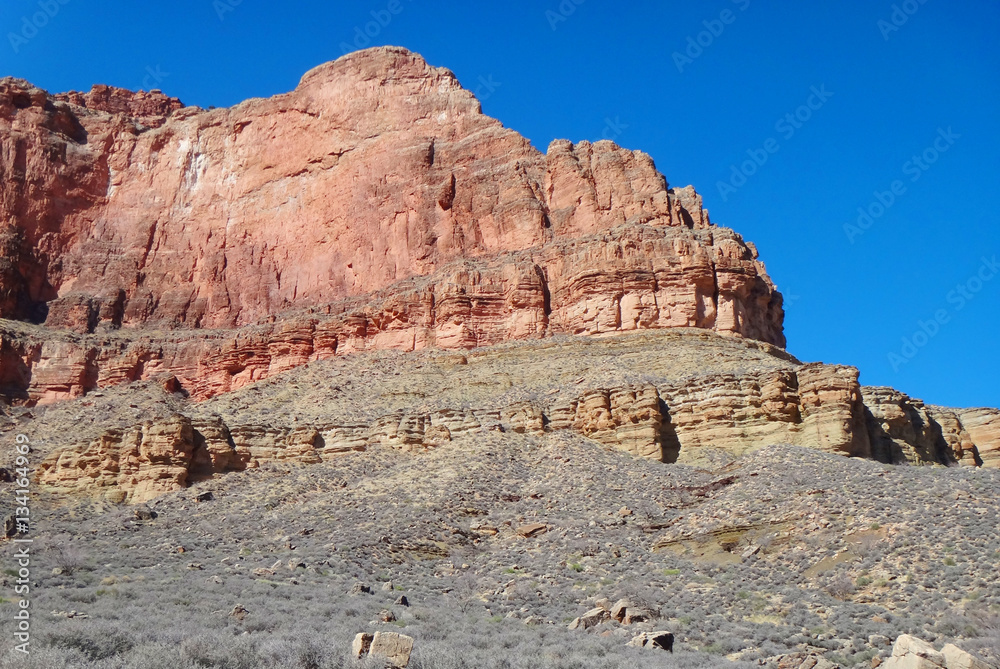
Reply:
x=376, y=208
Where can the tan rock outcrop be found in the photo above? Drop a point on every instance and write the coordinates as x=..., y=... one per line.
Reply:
x=905, y=429
x=910, y=652
x=394, y=648
x=662, y=640
x=817, y=405
x=692, y=421
x=361, y=644
x=629, y=418
x=697, y=419
x=956, y=658
x=591, y=618
x=983, y=429
x=145, y=462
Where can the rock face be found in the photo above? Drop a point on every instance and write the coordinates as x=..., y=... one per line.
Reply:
x=149, y=109
x=981, y=427
x=374, y=206
x=818, y=405
x=144, y=462
x=903, y=429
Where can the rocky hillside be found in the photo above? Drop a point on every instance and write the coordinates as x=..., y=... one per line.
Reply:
x=499, y=550
x=355, y=372
x=681, y=395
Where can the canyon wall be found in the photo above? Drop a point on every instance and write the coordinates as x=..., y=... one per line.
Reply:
x=126, y=210
x=375, y=207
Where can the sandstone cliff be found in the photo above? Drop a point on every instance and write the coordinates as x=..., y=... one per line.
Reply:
x=630, y=278
x=376, y=195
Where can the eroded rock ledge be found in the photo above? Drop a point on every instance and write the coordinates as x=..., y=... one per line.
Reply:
x=700, y=419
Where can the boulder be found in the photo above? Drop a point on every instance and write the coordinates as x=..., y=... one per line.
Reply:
x=361, y=645
x=627, y=612
x=956, y=658
x=591, y=618
x=394, y=648
x=909, y=652
x=661, y=640
x=529, y=530
x=359, y=589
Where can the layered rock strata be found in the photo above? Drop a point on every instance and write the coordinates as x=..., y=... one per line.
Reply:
x=630, y=278
x=905, y=429
x=693, y=421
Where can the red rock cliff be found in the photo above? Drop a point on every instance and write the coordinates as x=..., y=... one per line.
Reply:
x=375, y=196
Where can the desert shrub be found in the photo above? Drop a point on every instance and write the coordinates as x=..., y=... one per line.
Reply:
x=94, y=642
x=69, y=558
x=43, y=658
x=724, y=645
x=841, y=587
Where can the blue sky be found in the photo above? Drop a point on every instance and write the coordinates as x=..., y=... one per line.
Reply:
x=907, y=105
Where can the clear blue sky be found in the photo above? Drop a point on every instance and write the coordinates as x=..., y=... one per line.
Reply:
x=850, y=299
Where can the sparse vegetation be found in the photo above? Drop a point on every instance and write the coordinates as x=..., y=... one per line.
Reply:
x=800, y=549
